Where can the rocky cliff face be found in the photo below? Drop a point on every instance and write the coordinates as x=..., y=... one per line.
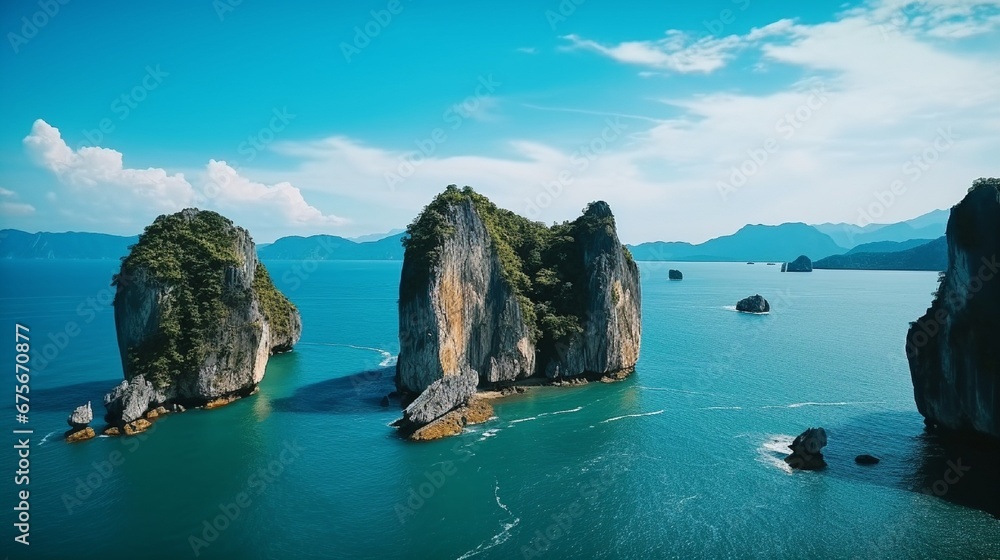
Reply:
x=489, y=295
x=196, y=315
x=464, y=316
x=609, y=341
x=953, y=349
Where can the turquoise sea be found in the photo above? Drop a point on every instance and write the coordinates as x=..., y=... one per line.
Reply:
x=682, y=460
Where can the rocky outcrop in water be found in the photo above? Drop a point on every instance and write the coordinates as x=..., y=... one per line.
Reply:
x=867, y=460
x=807, y=451
x=79, y=422
x=196, y=316
x=753, y=304
x=953, y=350
x=801, y=264
x=490, y=297
x=81, y=417
x=675, y=274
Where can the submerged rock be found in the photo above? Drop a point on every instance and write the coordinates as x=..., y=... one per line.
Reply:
x=953, y=350
x=81, y=417
x=866, y=460
x=753, y=304
x=807, y=450
x=484, y=290
x=801, y=264
x=675, y=274
x=196, y=316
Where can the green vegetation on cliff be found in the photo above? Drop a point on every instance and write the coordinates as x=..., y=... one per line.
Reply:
x=276, y=308
x=544, y=265
x=188, y=253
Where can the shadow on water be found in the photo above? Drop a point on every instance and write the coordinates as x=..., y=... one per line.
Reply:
x=67, y=398
x=361, y=392
x=961, y=472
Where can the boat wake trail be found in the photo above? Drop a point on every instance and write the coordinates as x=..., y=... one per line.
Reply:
x=722, y=408
x=46, y=438
x=501, y=537
x=631, y=416
x=388, y=359
x=577, y=409
x=801, y=404
x=519, y=420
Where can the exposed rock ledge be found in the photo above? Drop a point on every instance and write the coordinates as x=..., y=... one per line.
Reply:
x=488, y=298
x=953, y=350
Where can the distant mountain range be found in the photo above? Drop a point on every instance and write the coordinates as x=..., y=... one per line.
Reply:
x=376, y=236
x=16, y=244
x=778, y=243
x=785, y=242
x=750, y=243
x=928, y=256
x=331, y=247
x=928, y=226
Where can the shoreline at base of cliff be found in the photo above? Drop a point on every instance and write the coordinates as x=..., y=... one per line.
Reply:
x=479, y=408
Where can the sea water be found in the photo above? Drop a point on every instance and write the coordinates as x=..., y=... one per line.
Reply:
x=683, y=459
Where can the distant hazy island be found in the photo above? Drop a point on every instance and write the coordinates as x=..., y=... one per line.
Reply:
x=487, y=298
x=757, y=243
x=932, y=255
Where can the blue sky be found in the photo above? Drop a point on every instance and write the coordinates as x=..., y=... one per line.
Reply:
x=691, y=119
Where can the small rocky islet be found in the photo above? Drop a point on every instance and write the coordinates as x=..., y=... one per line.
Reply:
x=753, y=304
x=801, y=264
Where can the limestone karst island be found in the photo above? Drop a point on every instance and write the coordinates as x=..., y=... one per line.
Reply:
x=197, y=316
x=488, y=298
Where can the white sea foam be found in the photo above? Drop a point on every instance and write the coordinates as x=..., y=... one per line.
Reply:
x=632, y=416
x=774, y=449
x=577, y=409
x=501, y=537
x=388, y=359
x=680, y=503
x=519, y=420
x=46, y=438
x=722, y=408
x=810, y=403
x=488, y=434
x=672, y=390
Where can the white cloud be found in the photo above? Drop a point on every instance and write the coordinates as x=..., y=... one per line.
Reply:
x=526, y=50
x=676, y=52
x=239, y=194
x=10, y=207
x=478, y=108
x=679, y=52
x=99, y=172
x=866, y=106
x=101, y=189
